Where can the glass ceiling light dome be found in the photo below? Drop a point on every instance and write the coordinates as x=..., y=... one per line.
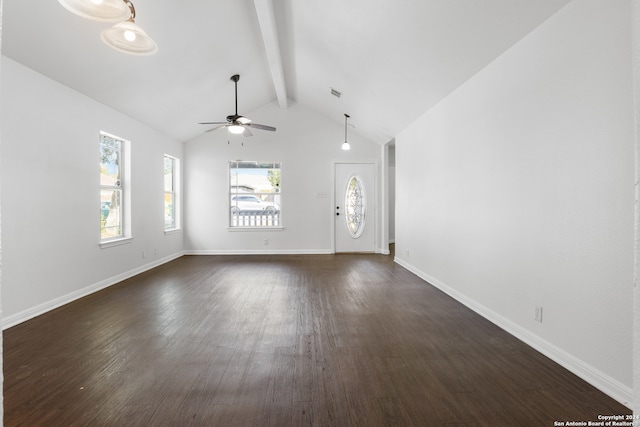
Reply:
x=127, y=37
x=235, y=129
x=98, y=10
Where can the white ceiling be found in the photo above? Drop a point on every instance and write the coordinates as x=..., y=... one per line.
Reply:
x=392, y=59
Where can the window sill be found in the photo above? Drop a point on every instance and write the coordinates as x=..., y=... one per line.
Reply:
x=115, y=242
x=255, y=228
x=172, y=231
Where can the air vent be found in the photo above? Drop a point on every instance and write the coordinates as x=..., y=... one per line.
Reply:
x=336, y=93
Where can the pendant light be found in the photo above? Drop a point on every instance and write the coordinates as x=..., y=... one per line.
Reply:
x=98, y=10
x=128, y=37
x=345, y=144
x=125, y=36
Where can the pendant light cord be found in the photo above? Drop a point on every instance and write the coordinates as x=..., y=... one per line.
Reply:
x=345, y=126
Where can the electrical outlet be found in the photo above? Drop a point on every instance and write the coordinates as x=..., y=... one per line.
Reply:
x=538, y=317
x=266, y=241
x=144, y=254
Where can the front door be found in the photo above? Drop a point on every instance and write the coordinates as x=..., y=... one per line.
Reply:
x=354, y=207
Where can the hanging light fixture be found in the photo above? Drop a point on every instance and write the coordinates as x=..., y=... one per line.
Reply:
x=98, y=10
x=345, y=144
x=125, y=36
x=128, y=37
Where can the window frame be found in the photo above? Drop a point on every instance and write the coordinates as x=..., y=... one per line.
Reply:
x=123, y=185
x=277, y=216
x=174, y=192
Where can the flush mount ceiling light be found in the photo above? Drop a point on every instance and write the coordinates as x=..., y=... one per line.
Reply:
x=125, y=36
x=345, y=145
x=98, y=10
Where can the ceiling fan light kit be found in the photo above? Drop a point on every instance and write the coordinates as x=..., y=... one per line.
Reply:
x=236, y=130
x=345, y=145
x=126, y=36
x=236, y=124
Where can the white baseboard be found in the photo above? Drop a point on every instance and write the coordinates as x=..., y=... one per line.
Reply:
x=593, y=376
x=270, y=252
x=32, y=312
x=260, y=252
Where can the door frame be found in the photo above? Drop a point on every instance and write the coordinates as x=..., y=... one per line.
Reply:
x=376, y=200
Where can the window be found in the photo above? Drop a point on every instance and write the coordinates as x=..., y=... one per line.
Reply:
x=114, y=191
x=171, y=187
x=255, y=195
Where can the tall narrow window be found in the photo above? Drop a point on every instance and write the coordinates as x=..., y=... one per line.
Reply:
x=255, y=195
x=171, y=206
x=113, y=189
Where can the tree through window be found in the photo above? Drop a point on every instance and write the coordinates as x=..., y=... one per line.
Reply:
x=171, y=200
x=112, y=188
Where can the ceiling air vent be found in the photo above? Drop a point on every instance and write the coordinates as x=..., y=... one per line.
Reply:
x=336, y=93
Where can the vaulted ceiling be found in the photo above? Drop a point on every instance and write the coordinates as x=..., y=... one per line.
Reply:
x=391, y=59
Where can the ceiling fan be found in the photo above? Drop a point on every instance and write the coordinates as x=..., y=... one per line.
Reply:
x=235, y=123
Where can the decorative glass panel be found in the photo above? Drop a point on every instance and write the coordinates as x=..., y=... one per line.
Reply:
x=355, y=206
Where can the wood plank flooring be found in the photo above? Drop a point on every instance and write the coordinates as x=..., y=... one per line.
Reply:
x=326, y=340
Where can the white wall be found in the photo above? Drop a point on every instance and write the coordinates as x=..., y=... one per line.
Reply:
x=392, y=194
x=50, y=198
x=517, y=191
x=1, y=344
x=306, y=144
x=635, y=4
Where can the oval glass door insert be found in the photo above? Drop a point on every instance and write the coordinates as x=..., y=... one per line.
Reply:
x=355, y=205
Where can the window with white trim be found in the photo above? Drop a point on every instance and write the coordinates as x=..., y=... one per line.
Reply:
x=171, y=193
x=255, y=195
x=114, y=189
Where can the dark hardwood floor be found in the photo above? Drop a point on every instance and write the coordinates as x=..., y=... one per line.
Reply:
x=327, y=340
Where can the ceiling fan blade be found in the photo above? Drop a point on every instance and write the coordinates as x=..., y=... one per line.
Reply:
x=216, y=127
x=235, y=120
x=263, y=127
